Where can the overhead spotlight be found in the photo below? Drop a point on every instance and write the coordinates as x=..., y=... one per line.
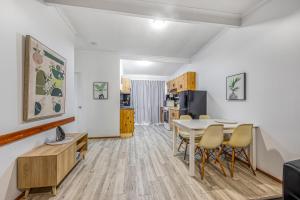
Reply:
x=158, y=24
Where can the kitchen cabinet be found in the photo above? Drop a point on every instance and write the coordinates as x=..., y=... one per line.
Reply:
x=126, y=122
x=171, y=85
x=174, y=85
x=181, y=83
x=126, y=85
x=184, y=82
x=190, y=80
x=174, y=114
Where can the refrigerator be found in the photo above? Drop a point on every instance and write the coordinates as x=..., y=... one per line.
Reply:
x=192, y=103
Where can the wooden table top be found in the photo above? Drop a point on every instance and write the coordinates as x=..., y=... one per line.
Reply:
x=48, y=150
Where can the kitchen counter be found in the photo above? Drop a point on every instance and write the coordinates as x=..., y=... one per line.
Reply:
x=171, y=108
x=126, y=107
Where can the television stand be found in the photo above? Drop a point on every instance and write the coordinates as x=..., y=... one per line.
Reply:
x=47, y=165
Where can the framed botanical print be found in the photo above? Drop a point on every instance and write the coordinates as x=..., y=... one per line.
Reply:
x=236, y=87
x=100, y=90
x=44, y=81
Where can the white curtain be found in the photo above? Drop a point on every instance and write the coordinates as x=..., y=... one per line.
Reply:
x=146, y=97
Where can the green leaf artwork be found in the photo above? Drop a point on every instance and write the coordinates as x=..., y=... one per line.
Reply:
x=232, y=84
x=45, y=81
x=100, y=90
x=235, y=85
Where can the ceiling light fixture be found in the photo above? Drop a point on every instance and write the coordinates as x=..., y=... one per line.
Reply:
x=93, y=43
x=144, y=62
x=158, y=24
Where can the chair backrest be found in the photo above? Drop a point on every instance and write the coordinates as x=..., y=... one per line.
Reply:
x=212, y=136
x=241, y=136
x=204, y=117
x=185, y=117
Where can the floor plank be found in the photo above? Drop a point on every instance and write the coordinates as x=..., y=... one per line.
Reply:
x=143, y=168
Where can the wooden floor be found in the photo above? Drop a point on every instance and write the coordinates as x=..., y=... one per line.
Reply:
x=142, y=167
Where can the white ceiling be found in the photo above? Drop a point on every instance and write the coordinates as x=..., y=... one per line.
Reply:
x=135, y=36
x=133, y=67
x=124, y=26
x=213, y=11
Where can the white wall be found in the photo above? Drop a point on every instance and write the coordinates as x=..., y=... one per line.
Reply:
x=100, y=118
x=268, y=51
x=18, y=18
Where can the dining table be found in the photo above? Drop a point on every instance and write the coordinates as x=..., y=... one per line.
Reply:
x=197, y=126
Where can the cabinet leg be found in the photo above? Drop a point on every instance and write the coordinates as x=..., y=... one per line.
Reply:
x=27, y=193
x=54, y=190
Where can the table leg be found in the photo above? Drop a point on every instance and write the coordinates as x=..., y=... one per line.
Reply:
x=174, y=140
x=54, y=190
x=192, y=154
x=253, y=149
x=27, y=193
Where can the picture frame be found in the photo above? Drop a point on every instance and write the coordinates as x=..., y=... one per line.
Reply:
x=236, y=87
x=44, y=91
x=100, y=90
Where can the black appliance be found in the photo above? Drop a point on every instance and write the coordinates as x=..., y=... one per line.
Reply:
x=192, y=103
x=125, y=99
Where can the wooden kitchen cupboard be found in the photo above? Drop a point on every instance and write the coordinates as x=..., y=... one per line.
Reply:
x=171, y=85
x=174, y=114
x=184, y=82
x=126, y=122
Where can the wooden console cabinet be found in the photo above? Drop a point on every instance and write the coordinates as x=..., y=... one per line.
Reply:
x=47, y=165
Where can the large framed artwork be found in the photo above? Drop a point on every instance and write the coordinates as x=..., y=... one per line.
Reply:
x=100, y=90
x=44, y=81
x=236, y=87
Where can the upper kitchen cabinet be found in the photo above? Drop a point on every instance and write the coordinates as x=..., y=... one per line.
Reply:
x=184, y=82
x=126, y=85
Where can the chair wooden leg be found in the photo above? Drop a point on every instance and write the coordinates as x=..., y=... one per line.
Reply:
x=219, y=153
x=180, y=144
x=186, y=146
x=219, y=161
x=232, y=162
x=248, y=160
x=203, y=163
x=201, y=153
x=207, y=156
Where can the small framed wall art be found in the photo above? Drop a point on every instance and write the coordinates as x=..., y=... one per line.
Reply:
x=236, y=87
x=100, y=90
x=44, y=81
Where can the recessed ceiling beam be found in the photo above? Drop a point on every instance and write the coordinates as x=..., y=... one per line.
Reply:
x=157, y=59
x=157, y=10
